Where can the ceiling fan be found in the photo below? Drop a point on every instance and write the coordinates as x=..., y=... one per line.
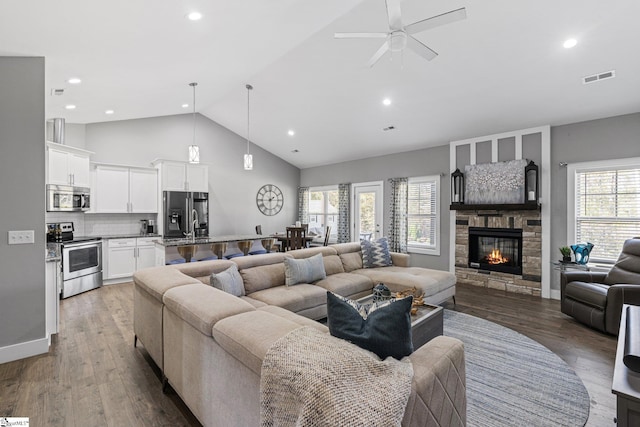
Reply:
x=399, y=36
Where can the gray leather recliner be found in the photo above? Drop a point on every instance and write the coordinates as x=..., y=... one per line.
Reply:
x=596, y=298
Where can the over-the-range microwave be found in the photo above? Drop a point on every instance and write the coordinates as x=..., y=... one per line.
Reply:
x=63, y=198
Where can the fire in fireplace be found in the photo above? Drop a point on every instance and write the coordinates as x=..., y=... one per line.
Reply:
x=496, y=249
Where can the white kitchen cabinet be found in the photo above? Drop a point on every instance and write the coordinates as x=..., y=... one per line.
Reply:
x=121, y=258
x=122, y=189
x=67, y=165
x=181, y=176
x=52, y=297
x=146, y=256
x=128, y=255
x=143, y=190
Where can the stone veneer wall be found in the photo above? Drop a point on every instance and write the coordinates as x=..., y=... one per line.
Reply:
x=530, y=222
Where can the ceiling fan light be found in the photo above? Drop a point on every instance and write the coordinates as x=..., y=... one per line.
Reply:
x=397, y=41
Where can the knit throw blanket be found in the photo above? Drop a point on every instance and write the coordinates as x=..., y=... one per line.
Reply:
x=313, y=379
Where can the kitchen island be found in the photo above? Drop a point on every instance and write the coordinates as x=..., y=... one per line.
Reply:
x=167, y=249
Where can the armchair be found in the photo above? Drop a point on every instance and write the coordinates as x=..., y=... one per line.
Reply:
x=596, y=298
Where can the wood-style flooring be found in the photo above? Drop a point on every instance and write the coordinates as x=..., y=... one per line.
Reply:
x=93, y=376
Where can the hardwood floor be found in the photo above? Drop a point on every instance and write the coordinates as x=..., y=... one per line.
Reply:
x=93, y=376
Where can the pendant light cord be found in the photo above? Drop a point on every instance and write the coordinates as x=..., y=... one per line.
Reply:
x=193, y=85
x=249, y=88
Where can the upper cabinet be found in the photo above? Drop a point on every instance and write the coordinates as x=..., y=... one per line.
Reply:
x=181, y=176
x=121, y=189
x=67, y=165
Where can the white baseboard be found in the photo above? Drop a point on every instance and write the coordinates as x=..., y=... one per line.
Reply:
x=555, y=294
x=24, y=349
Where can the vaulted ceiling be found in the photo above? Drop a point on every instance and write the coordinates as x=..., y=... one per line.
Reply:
x=502, y=68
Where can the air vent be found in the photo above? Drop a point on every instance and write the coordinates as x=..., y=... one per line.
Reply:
x=388, y=128
x=57, y=92
x=599, y=77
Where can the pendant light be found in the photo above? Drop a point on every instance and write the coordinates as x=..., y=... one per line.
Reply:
x=194, y=150
x=248, y=158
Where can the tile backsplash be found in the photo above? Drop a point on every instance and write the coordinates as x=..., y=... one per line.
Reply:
x=100, y=224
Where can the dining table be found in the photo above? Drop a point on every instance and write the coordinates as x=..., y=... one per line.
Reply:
x=282, y=238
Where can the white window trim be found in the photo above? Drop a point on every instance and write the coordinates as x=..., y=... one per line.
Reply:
x=414, y=249
x=571, y=186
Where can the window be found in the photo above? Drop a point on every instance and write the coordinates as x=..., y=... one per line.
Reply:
x=423, y=215
x=323, y=210
x=604, y=205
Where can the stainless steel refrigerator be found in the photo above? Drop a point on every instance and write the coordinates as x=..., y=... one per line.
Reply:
x=185, y=214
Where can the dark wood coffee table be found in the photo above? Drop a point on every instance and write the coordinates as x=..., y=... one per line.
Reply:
x=426, y=324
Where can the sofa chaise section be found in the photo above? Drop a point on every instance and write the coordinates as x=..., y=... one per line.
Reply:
x=214, y=349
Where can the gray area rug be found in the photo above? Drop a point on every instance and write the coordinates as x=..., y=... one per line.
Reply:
x=513, y=380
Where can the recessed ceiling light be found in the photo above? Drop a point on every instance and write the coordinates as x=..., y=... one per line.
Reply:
x=386, y=101
x=194, y=16
x=291, y=132
x=74, y=81
x=569, y=43
x=70, y=107
x=185, y=105
x=109, y=112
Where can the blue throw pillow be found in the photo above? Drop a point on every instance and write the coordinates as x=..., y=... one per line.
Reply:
x=383, y=328
x=375, y=253
x=306, y=270
x=229, y=281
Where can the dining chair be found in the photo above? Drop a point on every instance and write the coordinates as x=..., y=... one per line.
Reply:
x=296, y=238
x=327, y=233
x=325, y=241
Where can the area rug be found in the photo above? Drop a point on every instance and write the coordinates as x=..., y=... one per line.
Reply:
x=514, y=381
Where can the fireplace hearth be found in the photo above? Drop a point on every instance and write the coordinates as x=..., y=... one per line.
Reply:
x=495, y=249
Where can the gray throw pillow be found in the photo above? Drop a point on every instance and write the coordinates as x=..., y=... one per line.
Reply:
x=229, y=281
x=307, y=270
x=375, y=253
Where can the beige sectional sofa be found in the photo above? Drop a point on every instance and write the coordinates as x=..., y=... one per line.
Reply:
x=210, y=344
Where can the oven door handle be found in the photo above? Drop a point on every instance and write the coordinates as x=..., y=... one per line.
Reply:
x=81, y=244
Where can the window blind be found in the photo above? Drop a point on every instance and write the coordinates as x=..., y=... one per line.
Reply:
x=422, y=213
x=607, y=209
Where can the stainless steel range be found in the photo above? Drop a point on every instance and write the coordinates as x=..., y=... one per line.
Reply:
x=81, y=260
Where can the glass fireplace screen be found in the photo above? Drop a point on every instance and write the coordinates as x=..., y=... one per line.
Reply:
x=496, y=249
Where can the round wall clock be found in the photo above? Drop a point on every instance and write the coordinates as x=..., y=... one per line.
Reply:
x=269, y=199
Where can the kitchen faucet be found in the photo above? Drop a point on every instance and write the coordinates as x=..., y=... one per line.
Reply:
x=194, y=223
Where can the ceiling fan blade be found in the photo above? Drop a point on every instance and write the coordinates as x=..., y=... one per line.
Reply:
x=436, y=21
x=420, y=48
x=376, y=56
x=394, y=14
x=360, y=35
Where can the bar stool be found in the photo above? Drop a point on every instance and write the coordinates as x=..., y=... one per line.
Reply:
x=219, y=249
x=187, y=252
x=268, y=244
x=244, y=246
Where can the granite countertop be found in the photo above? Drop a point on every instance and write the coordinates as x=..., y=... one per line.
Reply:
x=208, y=240
x=128, y=236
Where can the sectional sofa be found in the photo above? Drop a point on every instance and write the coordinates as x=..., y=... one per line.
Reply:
x=210, y=344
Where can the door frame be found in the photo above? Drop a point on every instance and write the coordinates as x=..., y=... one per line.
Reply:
x=379, y=187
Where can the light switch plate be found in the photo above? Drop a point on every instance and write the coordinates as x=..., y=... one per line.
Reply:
x=20, y=237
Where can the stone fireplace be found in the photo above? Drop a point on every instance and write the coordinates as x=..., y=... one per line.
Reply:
x=499, y=249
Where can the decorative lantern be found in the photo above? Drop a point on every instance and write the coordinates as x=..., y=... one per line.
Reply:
x=457, y=188
x=531, y=184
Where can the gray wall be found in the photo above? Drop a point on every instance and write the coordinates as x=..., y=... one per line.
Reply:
x=22, y=133
x=232, y=190
x=603, y=139
x=428, y=161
